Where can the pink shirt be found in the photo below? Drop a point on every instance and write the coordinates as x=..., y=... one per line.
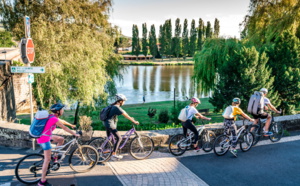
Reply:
x=50, y=126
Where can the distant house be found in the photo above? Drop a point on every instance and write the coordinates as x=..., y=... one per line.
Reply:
x=133, y=57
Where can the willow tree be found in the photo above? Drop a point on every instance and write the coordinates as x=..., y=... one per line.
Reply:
x=269, y=19
x=73, y=40
x=230, y=69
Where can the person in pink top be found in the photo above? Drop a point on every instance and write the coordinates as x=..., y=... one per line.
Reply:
x=44, y=140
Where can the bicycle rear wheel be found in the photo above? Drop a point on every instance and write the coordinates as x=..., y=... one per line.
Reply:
x=141, y=147
x=207, y=141
x=104, y=148
x=277, y=130
x=29, y=168
x=83, y=159
x=221, y=145
x=178, y=144
x=256, y=134
x=246, y=142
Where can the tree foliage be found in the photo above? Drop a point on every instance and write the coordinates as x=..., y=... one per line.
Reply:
x=136, y=47
x=153, y=42
x=193, y=38
x=268, y=19
x=71, y=38
x=162, y=41
x=201, y=32
x=144, y=40
x=185, y=39
x=168, y=37
x=6, y=39
x=176, y=43
x=208, y=31
x=216, y=28
x=285, y=63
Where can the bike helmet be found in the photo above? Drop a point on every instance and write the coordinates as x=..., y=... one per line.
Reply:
x=121, y=97
x=264, y=90
x=195, y=100
x=236, y=100
x=56, y=107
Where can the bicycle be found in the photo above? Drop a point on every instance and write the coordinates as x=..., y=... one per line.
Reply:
x=224, y=141
x=275, y=128
x=82, y=159
x=179, y=143
x=141, y=146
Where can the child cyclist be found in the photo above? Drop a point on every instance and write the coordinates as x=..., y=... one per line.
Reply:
x=44, y=140
x=229, y=121
x=192, y=111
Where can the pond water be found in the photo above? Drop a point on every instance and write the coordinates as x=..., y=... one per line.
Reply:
x=157, y=83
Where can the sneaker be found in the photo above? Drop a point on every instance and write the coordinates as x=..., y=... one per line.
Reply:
x=234, y=152
x=268, y=133
x=40, y=183
x=197, y=149
x=117, y=157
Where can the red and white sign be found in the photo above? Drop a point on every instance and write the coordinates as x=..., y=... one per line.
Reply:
x=30, y=54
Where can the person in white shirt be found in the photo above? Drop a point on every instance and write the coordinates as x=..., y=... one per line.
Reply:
x=192, y=111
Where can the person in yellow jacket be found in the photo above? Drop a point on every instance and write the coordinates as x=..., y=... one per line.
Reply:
x=229, y=122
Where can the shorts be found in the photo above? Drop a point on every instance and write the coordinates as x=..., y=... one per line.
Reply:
x=261, y=116
x=46, y=146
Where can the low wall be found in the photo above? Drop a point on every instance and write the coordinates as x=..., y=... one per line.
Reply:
x=16, y=135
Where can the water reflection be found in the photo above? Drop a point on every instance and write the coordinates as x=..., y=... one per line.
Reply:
x=157, y=83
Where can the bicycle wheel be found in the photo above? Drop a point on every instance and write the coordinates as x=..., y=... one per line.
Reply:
x=178, y=144
x=207, y=140
x=246, y=141
x=221, y=145
x=256, y=134
x=29, y=168
x=277, y=130
x=104, y=148
x=141, y=147
x=83, y=159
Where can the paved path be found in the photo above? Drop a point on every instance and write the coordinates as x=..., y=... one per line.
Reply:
x=274, y=163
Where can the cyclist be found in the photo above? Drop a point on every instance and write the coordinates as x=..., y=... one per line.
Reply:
x=264, y=115
x=44, y=140
x=229, y=123
x=192, y=111
x=111, y=122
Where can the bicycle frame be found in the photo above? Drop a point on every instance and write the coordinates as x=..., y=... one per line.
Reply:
x=191, y=134
x=58, y=149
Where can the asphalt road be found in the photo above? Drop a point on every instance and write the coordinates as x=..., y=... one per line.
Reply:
x=276, y=164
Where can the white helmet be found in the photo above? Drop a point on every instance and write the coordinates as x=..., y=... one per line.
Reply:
x=120, y=97
x=264, y=90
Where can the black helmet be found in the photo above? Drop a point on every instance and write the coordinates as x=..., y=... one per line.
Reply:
x=56, y=107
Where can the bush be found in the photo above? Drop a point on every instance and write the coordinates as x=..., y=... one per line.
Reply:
x=175, y=111
x=163, y=116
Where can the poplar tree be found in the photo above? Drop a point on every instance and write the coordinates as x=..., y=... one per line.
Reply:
x=208, y=31
x=216, y=28
x=71, y=38
x=162, y=40
x=176, y=43
x=168, y=39
x=193, y=38
x=136, y=47
x=200, y=34
x=144, y=40
x=185, y=39
x=153, y=42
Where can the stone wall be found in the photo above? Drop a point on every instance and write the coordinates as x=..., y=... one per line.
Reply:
x=16, y=135
x=21, y=90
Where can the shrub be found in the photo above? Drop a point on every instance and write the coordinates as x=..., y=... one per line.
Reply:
x=163, y=116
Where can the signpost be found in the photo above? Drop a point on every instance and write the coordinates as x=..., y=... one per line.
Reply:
x=16, y=69
x=27, y=27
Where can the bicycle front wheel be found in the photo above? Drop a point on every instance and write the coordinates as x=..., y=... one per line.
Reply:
x=83, y=159
x=221, y=145
x=104, y=148
x=277, y=130
x=207, y=141
x=29, y=168
x=178, y=144
x=246, y=141
x=141, y=147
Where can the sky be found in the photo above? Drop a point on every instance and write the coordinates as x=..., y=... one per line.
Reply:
x=229, y=12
